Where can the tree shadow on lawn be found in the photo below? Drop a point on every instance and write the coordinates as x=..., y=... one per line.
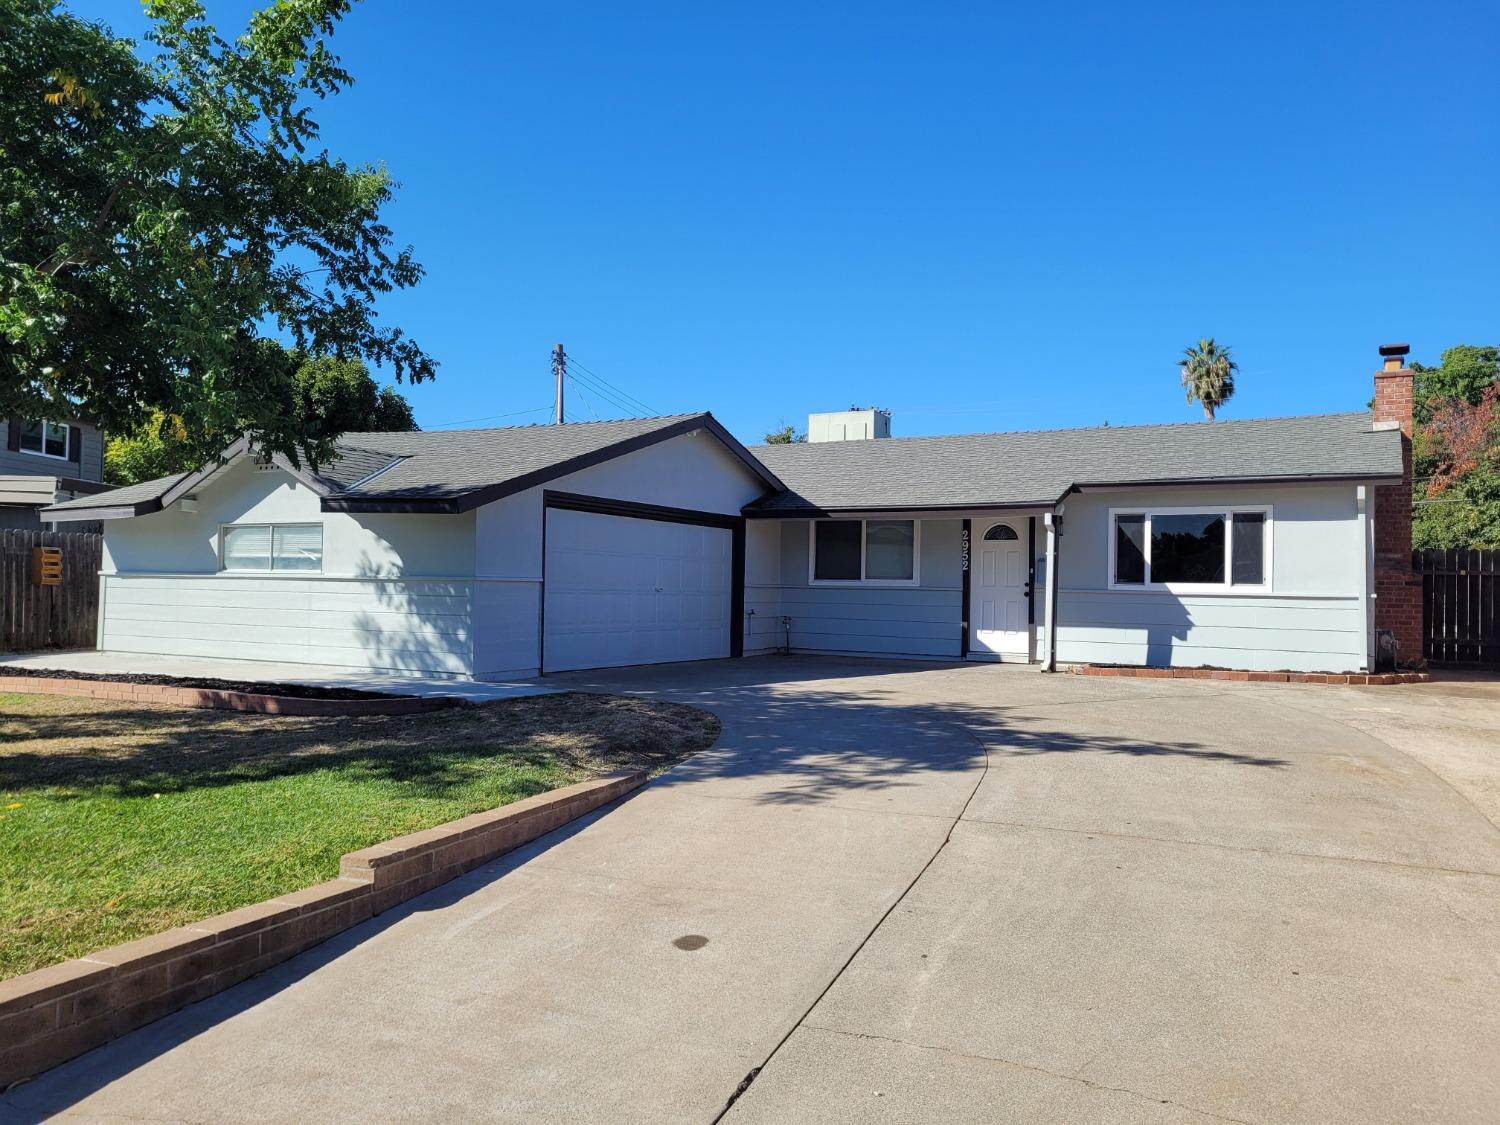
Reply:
x=811, y=744
x=142, y=751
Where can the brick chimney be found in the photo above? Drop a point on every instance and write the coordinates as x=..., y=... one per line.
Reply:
x=1398, y=589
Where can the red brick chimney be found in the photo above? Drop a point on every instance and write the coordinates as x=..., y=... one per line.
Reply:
x=1398, y=589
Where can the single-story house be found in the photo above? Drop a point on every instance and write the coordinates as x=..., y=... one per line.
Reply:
x=1279, y=543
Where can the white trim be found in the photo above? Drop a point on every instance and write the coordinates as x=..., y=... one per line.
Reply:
x=42, y=452
x=916, y=554
x=1255, y=592
x=1213, y=589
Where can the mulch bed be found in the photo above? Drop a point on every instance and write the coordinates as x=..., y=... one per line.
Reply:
x=248, y=687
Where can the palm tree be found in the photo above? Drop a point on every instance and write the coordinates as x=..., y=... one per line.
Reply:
x=1208, y=374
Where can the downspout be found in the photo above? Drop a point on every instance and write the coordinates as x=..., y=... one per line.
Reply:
x=1053, y=522
x=1362, y=496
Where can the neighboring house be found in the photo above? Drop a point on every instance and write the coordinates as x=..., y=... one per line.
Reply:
x=498, y=553
x=45, y=463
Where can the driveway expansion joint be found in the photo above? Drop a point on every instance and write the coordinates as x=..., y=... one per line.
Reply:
x=984, y=771
x=1090, y=1083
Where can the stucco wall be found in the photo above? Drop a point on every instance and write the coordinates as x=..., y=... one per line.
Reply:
x=395, y=592
x=1312, y=619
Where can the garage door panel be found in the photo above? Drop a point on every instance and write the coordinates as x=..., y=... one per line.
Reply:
x=622, y=590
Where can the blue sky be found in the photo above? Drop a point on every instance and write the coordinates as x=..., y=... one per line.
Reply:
x=979, y=216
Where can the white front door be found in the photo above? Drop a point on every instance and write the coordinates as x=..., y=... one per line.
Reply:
x=998, y=593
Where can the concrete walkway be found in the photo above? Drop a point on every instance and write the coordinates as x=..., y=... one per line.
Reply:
x=271, y=672
x=928, y=894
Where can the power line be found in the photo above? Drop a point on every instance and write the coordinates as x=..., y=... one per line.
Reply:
x=637, y=403
x=488, y=418
x=614, y=400
x=586, y=400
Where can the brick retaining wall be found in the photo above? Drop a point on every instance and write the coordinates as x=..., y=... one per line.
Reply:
x=1373, y=678
x=55, y=1013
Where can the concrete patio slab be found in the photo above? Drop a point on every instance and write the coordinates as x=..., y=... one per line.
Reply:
x=265, y=671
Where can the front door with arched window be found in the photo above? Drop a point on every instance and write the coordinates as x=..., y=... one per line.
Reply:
x=998, y=589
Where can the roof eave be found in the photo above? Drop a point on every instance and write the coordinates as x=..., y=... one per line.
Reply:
x=813, y=511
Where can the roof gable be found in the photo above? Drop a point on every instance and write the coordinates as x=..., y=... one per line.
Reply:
x=436, y=471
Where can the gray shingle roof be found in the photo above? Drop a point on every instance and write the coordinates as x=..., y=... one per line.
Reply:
x=445, y=463
x=968, y=470
x=1039, y=466
x=457, y=466
x=121, y=497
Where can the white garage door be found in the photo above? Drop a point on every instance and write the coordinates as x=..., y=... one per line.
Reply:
x=622, y=590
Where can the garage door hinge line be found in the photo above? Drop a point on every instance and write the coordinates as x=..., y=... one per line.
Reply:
x=749, y=1078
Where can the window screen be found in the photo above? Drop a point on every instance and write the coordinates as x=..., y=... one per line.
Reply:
x=1130, y=549
x=836, y=549
x=1249, y=548
x=280, y=547
x=247, y=548
x=1187, y=548
x=297, y=547
x=889, y=551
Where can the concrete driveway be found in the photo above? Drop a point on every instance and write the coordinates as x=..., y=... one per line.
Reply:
x=928, y=894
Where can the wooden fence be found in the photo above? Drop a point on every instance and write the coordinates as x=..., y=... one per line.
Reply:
x=34, y=616
x=1460, y=607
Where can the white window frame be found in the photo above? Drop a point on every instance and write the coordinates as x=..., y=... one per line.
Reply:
x=916, y=554
x=67, y=432
x=271, y=539
x=1225, y=588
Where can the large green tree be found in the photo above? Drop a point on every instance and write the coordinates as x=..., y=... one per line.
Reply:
x=167, y=221
x=329, y=396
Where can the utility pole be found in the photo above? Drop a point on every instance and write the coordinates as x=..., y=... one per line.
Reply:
x=560, y=375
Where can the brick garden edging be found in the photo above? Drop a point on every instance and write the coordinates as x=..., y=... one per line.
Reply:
x=51, y=1015
x=218, y=700
x=1383, y=679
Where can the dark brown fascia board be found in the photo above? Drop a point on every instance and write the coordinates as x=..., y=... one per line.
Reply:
x=185, y=485
x=114, y=512
x=630, y=509
x=239, y=448
x=396, y=504
x=878, y=509
x=78, y=484
x=1171, y=482
x=468, y=501
x=1209, y=482
x=750, y=461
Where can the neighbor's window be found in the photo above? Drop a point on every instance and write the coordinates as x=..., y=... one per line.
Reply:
x=279, y=547
x=1199, y=549
x=49, y=438
x=864, y=551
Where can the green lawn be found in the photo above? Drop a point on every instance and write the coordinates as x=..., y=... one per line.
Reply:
x=118, y=821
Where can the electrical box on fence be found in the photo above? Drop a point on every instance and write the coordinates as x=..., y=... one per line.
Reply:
x=46, y=566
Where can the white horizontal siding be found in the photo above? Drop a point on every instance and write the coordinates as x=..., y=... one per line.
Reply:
x=1258, y=632
x=888, y=621
x=413, y=625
